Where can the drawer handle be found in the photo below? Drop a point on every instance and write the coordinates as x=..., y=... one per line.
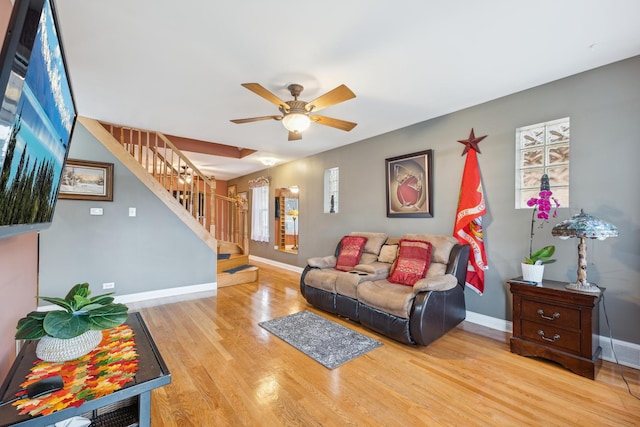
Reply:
x=555, y=315
x=554, y=339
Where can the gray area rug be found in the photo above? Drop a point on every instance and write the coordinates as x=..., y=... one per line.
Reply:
x=327, y=342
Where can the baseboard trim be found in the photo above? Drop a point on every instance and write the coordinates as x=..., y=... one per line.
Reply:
x=628, y=353
x=151, y=295
x=165, y=293
x=490, y=322
x=268, y=261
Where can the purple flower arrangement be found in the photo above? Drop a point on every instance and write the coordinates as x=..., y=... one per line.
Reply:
x=542, y=205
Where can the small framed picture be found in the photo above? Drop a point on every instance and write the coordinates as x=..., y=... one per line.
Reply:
x=87, y=180
x=409, y=185
x=232, y=191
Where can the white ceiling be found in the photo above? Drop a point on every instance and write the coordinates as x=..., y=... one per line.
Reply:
x=176, y=66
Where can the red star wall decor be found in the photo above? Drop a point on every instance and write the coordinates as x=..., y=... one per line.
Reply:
x=471, y=142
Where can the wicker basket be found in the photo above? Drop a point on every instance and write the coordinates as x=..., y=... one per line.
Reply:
x=59, y=350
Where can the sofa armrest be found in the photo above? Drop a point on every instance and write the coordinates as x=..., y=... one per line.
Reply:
x=322, y=262
x=436, y=283
x=457, y=265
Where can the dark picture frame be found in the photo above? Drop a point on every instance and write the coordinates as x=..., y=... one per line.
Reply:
x=409, y=182
x=87, y=180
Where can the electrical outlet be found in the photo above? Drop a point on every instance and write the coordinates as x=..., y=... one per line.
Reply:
x=109, y=285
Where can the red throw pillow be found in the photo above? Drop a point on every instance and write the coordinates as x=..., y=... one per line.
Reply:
x=414, y=257
x=350, y=250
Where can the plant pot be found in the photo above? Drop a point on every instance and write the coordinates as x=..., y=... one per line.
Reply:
x=532, y=272
x=52, y=349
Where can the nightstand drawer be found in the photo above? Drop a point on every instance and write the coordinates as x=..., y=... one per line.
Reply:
x=551, y=314
x=558, y=324
x=551, y=336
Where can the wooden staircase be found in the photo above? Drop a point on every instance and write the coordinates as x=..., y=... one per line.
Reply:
x=235, y=258
x=232, y=277
x=220, y=221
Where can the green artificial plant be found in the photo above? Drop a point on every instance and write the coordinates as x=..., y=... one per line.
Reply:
x=542, y=256
x=81, y=313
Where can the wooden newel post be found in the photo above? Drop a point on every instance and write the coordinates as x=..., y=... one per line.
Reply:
x=244, y=208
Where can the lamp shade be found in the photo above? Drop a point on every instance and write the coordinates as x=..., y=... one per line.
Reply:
x=584, y=225
x=296, y=122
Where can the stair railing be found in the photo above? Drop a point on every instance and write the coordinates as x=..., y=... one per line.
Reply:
x=232, y=221
x=224, y=217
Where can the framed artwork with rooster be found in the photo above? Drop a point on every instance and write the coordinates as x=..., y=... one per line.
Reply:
x=409, y=185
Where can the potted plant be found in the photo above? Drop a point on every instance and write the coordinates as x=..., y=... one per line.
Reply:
x=533, y=265
x=541, y=256
x=75, y=331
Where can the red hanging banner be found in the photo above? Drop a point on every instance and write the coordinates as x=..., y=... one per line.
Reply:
x=471, y=207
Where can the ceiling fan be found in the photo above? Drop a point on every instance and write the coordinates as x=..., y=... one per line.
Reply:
x=298, y=115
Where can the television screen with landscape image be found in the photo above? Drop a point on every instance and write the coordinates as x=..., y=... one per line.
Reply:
x=36, y=118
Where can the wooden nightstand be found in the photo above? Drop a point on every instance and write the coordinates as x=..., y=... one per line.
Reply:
x=555, y=323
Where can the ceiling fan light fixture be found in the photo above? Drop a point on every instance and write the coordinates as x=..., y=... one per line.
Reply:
x=296, y=122
x=295, y=113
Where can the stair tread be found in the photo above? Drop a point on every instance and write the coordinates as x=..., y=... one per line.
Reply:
x=248, y=275
x=242, y=267
x=236, y=260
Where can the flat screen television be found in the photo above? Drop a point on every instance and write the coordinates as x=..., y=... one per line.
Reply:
x=37, y=117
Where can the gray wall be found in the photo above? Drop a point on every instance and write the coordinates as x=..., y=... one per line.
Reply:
x=604, y=107
x=151, y=251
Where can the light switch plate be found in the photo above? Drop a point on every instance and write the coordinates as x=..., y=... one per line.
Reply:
x=132, y=211
x=95, y=211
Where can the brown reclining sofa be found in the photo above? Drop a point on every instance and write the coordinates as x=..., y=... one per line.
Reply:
x=411, y=314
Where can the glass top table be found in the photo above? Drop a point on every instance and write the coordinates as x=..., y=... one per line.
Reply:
x=151, y=373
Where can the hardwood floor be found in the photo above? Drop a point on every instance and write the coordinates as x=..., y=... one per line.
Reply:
x=228, y=371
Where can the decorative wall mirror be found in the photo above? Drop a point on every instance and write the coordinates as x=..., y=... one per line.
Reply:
x=286, y=219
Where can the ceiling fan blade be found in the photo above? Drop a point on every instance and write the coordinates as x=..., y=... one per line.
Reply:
x=256, y=119
x=294, y=136
x=334, y=123
x=335, y=96
x=258, y=89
